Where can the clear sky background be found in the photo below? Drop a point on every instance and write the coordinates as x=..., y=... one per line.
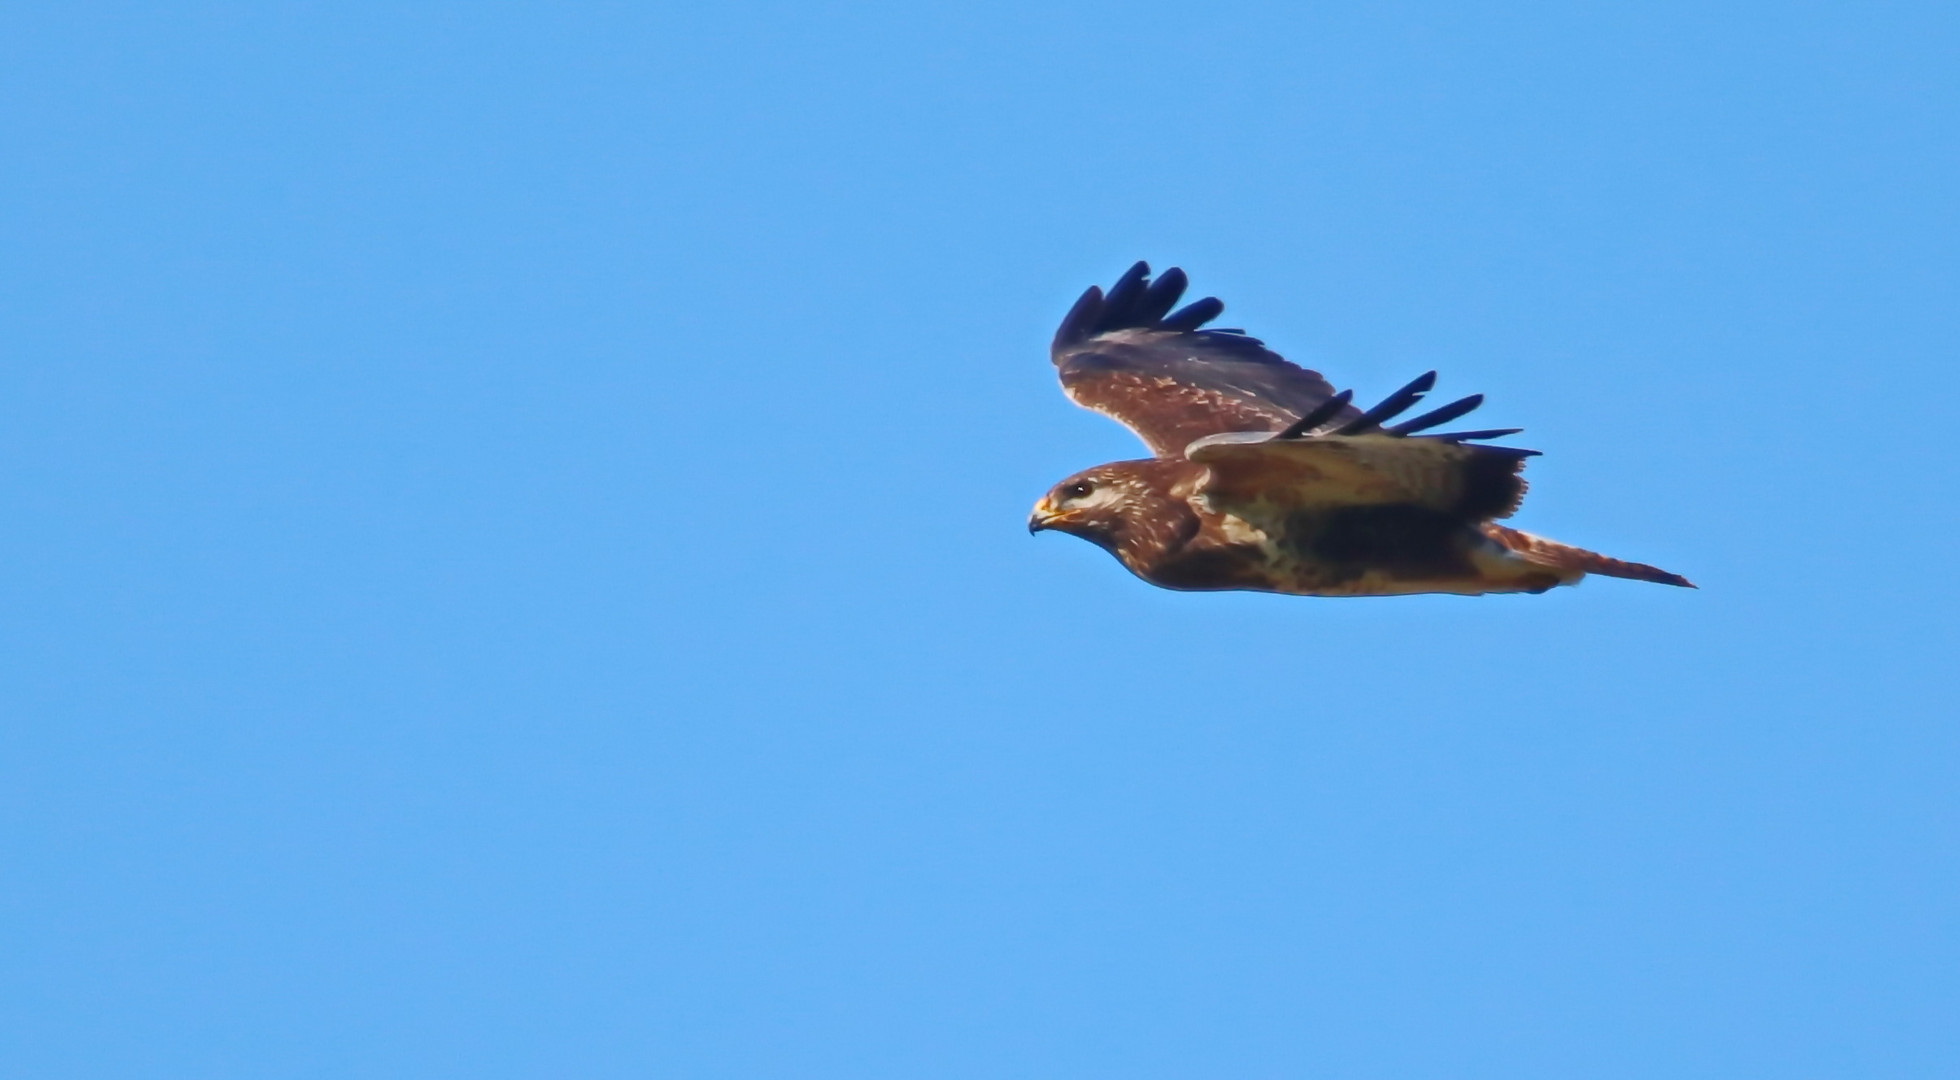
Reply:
x=514, y=565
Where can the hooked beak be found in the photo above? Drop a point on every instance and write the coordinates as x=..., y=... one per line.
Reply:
x=1041, y=517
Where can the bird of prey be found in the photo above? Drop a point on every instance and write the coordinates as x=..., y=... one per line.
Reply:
x=1266, y=479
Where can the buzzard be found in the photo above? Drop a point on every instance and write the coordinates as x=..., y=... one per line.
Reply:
x=1264, y=478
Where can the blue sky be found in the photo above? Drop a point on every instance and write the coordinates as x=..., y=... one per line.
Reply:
x=514, y=559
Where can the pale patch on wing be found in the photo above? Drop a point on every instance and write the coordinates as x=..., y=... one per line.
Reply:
x=1234, y=529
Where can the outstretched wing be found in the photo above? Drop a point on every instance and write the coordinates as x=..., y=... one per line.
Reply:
x=1322, y=463
x=1127, y=355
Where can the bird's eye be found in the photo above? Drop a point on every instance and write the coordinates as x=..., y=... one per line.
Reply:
x=1078, y=489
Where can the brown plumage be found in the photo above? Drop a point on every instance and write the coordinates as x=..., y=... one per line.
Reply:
x=1264, y=478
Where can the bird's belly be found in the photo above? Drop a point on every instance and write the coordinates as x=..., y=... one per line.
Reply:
x=1387, y=550
x=1350, y=551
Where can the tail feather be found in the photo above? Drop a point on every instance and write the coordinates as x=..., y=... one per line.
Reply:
x=1568, y=558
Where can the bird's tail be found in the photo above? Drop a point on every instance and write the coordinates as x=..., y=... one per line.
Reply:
x=1575, y=561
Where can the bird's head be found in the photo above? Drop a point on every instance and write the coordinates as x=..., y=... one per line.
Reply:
x=1101, y=505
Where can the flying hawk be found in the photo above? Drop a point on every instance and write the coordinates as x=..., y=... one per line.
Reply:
x=1264, y=478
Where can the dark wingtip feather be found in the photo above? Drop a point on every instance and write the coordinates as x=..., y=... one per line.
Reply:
x=1505, y=451
x=1161, y=296
x=1392, y=405
x=1327, y=410
x=1194, y=314
x=1119, y=306
x=1438, y=416
x=1080, y=322
x=1466, y=436
x=1136, y=302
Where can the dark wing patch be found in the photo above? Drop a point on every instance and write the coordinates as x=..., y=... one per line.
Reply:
x=1128, y=355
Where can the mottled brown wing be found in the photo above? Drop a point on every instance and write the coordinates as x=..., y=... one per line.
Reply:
x=1265, y=478
x=1126, y=355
